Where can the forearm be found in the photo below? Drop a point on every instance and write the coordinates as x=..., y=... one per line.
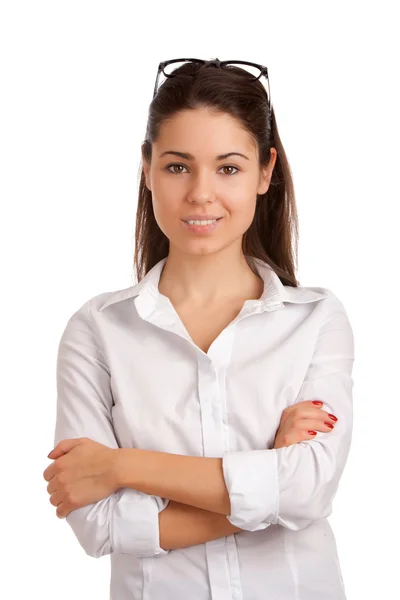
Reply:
x=193, y=480
x=182, y=525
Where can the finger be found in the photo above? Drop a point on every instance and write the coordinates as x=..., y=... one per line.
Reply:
x=300, y=435
x=331, y=418
x=56, y=453
x=301, y=412
x=294, y=437
x=302, y=406
x=323, y=413
x=56, y=499
x=316, y=425
x=49, y=472
x=312, y=403
x=307, y=412
x=315, y=403
x=52, y=486
x=61, y=511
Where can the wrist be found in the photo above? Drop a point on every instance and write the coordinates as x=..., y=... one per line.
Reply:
x=124, y=468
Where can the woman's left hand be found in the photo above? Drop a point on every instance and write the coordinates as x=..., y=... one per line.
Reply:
x=82, y=473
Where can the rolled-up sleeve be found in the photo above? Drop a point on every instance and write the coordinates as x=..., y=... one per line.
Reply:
x=295, y=485
x=127, y=521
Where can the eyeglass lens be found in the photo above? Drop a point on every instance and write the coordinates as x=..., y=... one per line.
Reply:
x=255, y=71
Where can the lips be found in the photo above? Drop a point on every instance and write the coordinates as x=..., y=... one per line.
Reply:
x=201, y=218
x=202, y=229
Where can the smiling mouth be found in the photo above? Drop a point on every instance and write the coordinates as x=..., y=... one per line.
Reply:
x=199, y=221
x=207, y=227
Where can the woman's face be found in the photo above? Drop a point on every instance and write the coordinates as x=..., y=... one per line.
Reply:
x=203, y=184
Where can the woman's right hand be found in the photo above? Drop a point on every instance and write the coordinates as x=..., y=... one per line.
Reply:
x=298, y=420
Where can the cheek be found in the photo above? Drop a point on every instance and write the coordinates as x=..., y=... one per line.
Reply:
x=242, y=210
x=166, y=212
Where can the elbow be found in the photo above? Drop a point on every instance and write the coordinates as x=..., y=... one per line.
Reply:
x=296, y=489
x=90, y=525
x=95, y=550
x=310, y=496
x=116, y=525
x=302, y=515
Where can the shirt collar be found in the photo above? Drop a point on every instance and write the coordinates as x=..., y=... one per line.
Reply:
x=274, y=296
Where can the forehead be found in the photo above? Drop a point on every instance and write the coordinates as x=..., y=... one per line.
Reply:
x=202, y=129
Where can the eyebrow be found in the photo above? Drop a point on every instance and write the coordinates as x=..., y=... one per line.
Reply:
x=188, y=156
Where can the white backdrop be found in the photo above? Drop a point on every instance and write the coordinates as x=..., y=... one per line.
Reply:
x=76, y=79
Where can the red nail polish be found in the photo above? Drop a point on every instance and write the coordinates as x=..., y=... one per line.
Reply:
x=317, y=402
x=332, y=417
x=329, y=425
x=312, y=432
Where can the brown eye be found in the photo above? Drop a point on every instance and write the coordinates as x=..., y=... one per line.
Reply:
x=177, y=166
x=172, y=166
x=230, y=167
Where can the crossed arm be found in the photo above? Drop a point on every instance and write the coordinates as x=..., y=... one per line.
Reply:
x=181, y=525
x=291, y=486
x=199, y=500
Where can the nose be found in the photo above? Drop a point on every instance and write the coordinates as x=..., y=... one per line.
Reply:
x=202, y=189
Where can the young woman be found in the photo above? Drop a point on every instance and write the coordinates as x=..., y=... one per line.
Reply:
x=204, y=414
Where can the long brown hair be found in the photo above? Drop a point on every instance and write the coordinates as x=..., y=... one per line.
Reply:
x=273, y=233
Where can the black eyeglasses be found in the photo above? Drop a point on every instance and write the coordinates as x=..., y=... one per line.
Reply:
x=256, y=70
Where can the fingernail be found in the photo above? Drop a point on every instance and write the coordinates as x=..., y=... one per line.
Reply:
x=329, y=425
x=332, y=417
x=317, y=402
x=312, y=432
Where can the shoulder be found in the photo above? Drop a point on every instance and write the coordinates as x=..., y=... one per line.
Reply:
x=92, y=306
x=99, y=302
x=334, y=305
x=324, y=301
x=304, y=294
x=334, y=316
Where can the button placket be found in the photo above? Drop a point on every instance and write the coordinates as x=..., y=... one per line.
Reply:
x=222, y=558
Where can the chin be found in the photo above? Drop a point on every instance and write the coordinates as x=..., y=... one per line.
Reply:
x=197, y=247
x=207, y=247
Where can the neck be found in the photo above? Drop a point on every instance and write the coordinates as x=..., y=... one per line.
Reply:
x=208, y=280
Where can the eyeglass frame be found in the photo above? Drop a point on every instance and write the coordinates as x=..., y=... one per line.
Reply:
x=215, y=63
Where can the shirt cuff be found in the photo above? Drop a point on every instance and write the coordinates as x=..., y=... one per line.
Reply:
x=134, y=524
x=251, y=478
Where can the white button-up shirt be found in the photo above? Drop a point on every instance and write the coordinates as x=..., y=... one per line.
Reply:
x=129, y=375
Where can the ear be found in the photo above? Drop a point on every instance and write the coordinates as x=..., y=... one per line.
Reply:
x=266, y=174
x=146, y=171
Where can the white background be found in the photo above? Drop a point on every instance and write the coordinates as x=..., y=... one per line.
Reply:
x=76, y=79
